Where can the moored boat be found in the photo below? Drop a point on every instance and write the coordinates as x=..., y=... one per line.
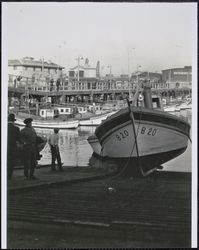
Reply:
x=186, y=105
x=149, y=139
x=170, y=109
x=95, y=120
x=50, y=124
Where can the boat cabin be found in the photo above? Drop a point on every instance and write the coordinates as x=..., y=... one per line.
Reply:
x=157, y=102
x=48, y=113
x=65, y=110
x=94, y=108
x=82, y=109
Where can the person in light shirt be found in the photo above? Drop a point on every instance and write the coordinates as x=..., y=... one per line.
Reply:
x=53, y=142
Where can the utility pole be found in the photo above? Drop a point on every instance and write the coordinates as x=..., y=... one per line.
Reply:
x=138, y=66
x=109, y=66
x=78, y=64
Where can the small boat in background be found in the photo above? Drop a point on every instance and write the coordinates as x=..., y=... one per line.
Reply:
x=95, y=120
x=189, y=105
x=170, y=109
x=49, y=124
x=186, y=105
x=48, y=117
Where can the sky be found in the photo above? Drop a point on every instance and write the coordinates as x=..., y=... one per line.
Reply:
x=155, y=36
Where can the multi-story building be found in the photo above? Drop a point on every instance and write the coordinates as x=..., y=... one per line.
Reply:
x=84, y=77
x=27, y=71
x=178, y=77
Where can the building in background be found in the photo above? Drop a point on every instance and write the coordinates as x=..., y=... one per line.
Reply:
x=84, y=71
x=28, y=71
x=155, y=78
x=84, y=77
x=84, y=83
x=178, y=77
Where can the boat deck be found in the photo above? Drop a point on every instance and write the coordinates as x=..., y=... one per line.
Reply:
x=101, y=211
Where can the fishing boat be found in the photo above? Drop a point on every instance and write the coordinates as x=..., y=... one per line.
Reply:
x=170, y=109
x=50, y=124
x=95, y=120
x=177, y=108
x=186, y=105
x=48, y=116
x=142, y=138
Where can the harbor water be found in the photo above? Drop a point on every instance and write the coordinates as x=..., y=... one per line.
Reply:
x=76, y=151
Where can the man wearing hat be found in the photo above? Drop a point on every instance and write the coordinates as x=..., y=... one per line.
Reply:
x=12, y=144
x=28, y=138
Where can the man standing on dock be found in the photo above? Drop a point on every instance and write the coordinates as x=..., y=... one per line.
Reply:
x=53, y=142
x=12, y=144
x=28, y=138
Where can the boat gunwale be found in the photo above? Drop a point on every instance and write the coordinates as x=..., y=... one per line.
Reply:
x=117, y=118
x=146, y=111
x=104, y=137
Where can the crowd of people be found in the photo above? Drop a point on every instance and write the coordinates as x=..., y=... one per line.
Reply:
x=26, y=142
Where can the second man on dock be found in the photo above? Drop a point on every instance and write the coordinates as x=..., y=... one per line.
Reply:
x=28, y=138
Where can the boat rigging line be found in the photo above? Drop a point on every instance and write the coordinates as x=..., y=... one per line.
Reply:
x=136, y=144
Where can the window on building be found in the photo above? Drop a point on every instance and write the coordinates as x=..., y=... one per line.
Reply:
x=71, y=73
x=61, y=110
x=42, y=112
x=14, y=67
x=81, y=73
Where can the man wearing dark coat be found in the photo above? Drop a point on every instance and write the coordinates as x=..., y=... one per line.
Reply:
x=28, y=138
x=12, y=144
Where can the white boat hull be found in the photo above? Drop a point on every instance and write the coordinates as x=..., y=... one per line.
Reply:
x=184, y=106
x=51, y=124
x=96, y=120
x=171, y=109
x=160, y=137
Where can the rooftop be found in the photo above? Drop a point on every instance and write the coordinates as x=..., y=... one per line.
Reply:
x=29, y=61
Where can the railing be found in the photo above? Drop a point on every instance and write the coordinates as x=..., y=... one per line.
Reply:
x=84, y=88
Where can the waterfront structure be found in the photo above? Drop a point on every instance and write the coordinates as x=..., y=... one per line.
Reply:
x=155, y=78
x=46, y=82
x=178, y=77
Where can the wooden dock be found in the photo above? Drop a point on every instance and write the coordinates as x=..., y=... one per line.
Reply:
x=103, y=212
